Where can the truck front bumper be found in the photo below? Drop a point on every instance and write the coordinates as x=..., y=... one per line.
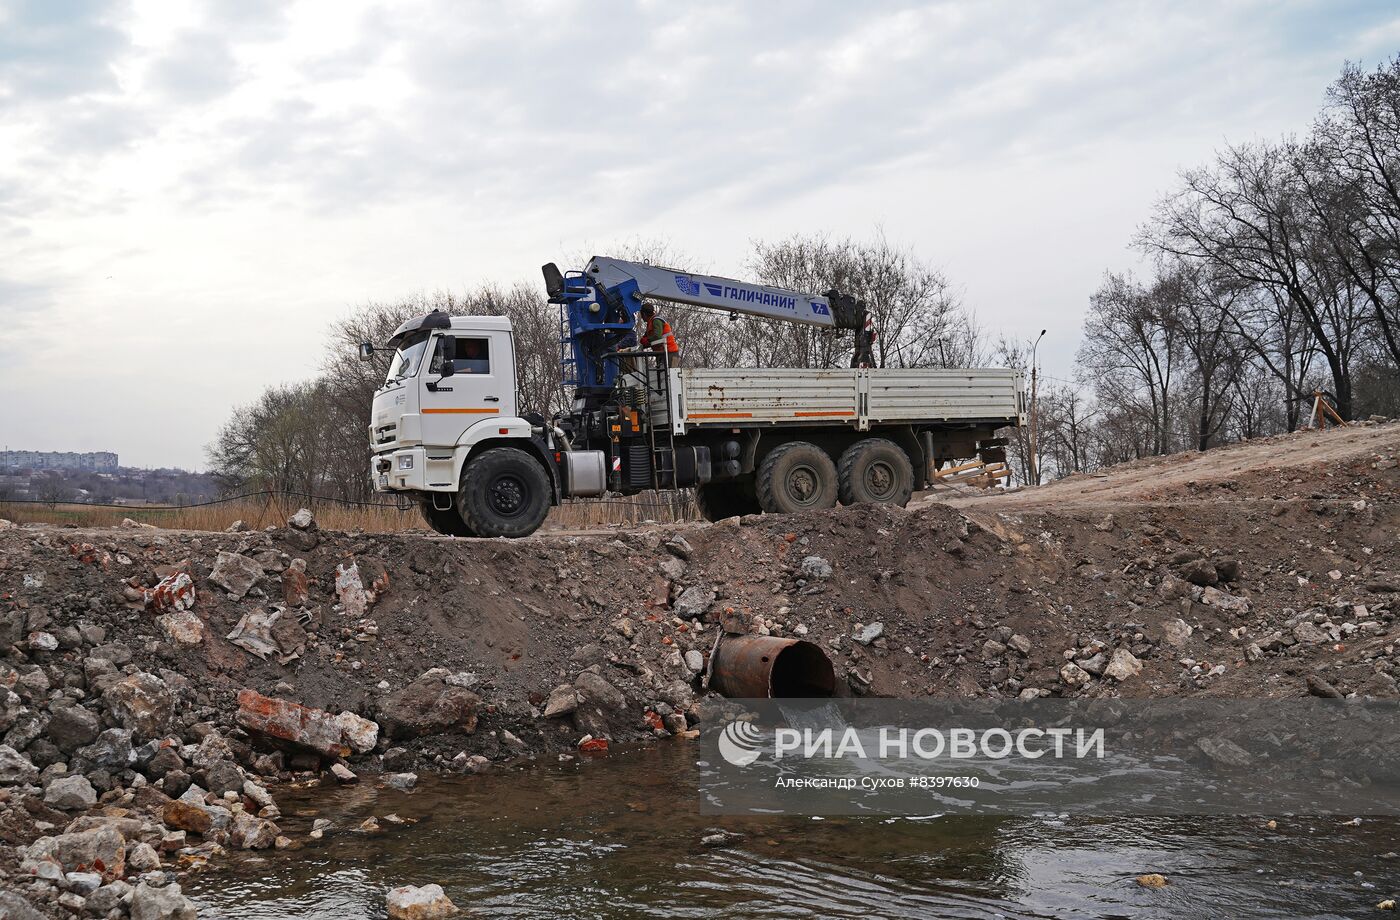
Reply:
x=399, y=470
x=415, y=469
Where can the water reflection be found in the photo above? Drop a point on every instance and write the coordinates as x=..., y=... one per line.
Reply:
x=620, y=838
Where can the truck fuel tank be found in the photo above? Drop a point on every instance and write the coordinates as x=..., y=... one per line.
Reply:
x=585, y=473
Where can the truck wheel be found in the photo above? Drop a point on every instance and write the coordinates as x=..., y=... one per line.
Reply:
x=876, y=470
x=796, y=476
x=720, y=500
x=448, y=523
x=505, y=493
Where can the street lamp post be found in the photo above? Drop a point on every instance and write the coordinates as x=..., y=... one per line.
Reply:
x=1034, y=459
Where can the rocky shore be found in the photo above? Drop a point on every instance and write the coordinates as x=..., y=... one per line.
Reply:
x=158, y=687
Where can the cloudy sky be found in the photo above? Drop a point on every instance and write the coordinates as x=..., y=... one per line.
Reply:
x=191, y=191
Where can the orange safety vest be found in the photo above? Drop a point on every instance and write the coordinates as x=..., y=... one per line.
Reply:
x=659, y=329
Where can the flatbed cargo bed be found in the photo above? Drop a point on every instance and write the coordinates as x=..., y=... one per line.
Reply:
x=860, y=398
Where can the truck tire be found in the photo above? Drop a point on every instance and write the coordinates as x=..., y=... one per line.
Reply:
x=448, y=523
x=505, y=493
x=796, y=476
x=719, y=500
x=875, y=470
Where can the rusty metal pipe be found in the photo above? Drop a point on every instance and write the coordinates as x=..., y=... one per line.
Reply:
x=754, y=667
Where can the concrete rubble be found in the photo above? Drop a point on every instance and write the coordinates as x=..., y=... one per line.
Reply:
x=152, y=708
x=414, y=903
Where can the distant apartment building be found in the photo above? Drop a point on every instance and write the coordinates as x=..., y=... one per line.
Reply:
x=99, y=460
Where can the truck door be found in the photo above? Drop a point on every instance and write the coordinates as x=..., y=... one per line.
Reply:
x=481, y=386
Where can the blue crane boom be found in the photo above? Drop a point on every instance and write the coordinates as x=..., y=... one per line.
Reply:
x=601, y=302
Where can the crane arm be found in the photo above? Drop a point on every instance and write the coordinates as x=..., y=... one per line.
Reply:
x=600, y=304
x=727, y=294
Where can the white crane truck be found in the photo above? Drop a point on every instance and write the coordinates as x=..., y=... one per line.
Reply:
x=448, y=431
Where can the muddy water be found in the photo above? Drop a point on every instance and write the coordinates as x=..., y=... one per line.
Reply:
x=620, y=838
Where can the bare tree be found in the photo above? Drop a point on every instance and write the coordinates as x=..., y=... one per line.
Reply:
x=54, y=490
x=1131, y=349
x=1068, y=436
x=1201, y=312
x=281, y=442
x=1270, y=328
x=916, y=314
x=1248, y=220
x=1351, y=171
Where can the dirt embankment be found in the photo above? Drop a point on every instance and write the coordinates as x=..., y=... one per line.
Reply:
x=1264, y=570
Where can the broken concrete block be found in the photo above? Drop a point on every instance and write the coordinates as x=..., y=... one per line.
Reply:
x=429, y=706
x=426, y=903
x=1222, y=600
x=1123, y=665
x=302, y=520
x=174, y=592
x=1073, y=675
x=296, y=587
x=142, y=703
x=694, y=602
x=562, y=701
x=314, y=729
x=235, y=573
x=360, y=733
x=351, y=590
x=183, y=627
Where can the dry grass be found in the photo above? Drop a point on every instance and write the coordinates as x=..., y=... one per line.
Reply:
x=659, y=507
x=256, y=514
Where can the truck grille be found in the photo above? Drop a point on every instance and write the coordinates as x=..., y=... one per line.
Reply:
x=386, y=433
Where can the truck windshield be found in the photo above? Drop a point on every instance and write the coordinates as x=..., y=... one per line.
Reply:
x=408, y=356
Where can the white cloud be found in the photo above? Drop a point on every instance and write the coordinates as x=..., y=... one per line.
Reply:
x=189, y=194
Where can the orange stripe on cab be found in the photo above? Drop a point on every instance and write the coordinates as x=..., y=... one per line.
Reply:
x=459, y=411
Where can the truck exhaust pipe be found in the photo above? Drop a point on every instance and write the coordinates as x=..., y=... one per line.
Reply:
x=759, y=667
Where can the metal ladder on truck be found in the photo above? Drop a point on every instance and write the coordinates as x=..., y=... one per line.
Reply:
x=656, y=378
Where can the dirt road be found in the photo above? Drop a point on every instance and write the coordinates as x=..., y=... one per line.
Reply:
x=1295, y=460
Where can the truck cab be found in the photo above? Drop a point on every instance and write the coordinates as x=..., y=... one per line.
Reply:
x=449, y=377
x=449, y=396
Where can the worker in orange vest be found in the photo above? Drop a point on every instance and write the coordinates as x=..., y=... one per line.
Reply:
x=657, y=335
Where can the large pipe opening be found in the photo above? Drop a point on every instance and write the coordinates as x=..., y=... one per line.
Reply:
x=756, y=667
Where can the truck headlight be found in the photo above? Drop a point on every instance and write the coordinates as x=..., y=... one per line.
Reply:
x=406, y=462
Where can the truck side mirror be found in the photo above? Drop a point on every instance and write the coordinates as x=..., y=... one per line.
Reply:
x=366, y=351
x=449, y=368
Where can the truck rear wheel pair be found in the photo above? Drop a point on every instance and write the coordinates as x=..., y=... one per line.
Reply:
x=799, y=476
x=504, y=493
x=875, y=470
x=796, y=476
